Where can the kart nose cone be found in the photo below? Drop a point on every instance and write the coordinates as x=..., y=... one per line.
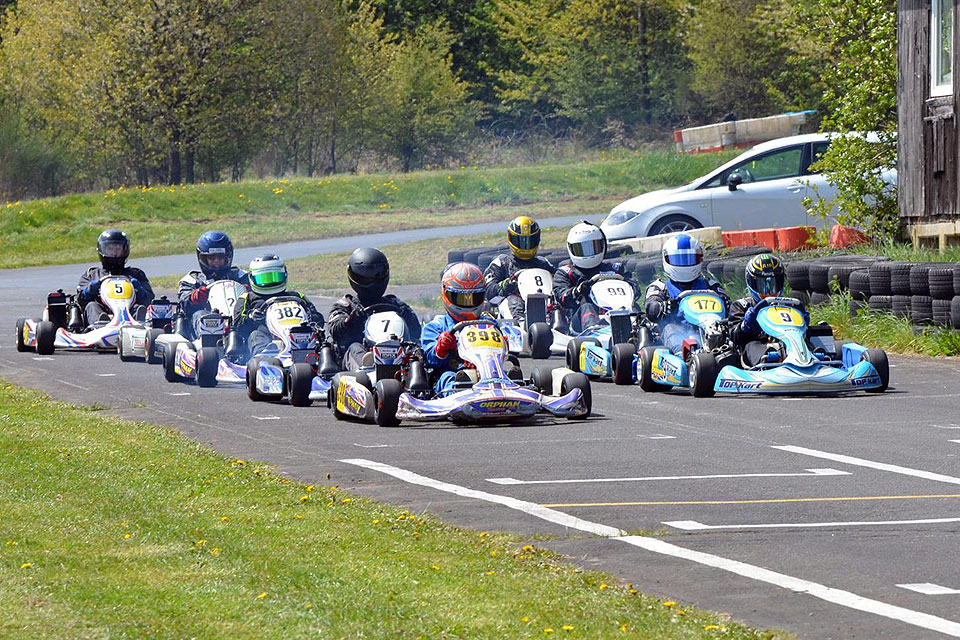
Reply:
x=488, y=409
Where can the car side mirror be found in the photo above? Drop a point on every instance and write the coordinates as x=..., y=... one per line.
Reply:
x=734, y=180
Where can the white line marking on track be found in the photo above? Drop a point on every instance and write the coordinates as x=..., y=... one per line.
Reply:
x=693, y=525
x=106, y=375
x=181, y=393
x=42, y=358
x=806, y=473
x=881, y=466
x=372, y=446
x=70, y=384
x=955, y=441
x=797, y=585
x=266, y=417
x=660, y=436
x=929, y=589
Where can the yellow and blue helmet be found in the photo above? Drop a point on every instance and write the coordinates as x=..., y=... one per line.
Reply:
x=764, y=274
x=523, y=236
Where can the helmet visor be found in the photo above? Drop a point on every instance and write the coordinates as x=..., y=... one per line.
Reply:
x=114, y=250
x=366, y=280
x=587, y=249
x=267, y=278
x=684, y=258
x=525, y=243
x=767, y=286
x=466, y=299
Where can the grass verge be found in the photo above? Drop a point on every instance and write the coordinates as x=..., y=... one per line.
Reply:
x=884, y=330
x=121, y=529
x=166, y=220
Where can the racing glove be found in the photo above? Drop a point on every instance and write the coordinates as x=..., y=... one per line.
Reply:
x=508, y=286
x=199, y=295
x=91, y=291
x=580, y=291
x=667, y=307
x=749, y=323
x=445, y=344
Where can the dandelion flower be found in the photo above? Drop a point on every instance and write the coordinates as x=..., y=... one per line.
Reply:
x=304, y=498
x=490, y=572
x=26, y=565
x=548, y=630
x=528, y=547
x=309, y=487
x=298, y=516
x=224, y=518
x=126, y=536
x=567, y=627
x=669, y=603
x=624, y=627
x=435, y=567
x=262, y=595
x=710, y=627
x=215, y=551
x=603, y=586
x=201, y=542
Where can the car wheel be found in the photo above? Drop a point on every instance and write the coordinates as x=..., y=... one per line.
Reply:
x=673, y=224
x=208, y=359
x=878, y=358
x=169, y=354
x=301, y=380
x=703, y=374
x=252, y=366
x=386, y=399
x=622, y=363
x=573, y=381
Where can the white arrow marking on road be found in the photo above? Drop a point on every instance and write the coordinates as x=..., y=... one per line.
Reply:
x=654, y=545
x=929, y=589
x=881, y=466
x=42, y=358
x=266, y=417
x=806, y=473
x=693, y=525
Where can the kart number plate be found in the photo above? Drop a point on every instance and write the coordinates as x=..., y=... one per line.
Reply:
x=287, y=314
x=705, y=304
x=476, y=337
x=783, y=316
x=117, y=290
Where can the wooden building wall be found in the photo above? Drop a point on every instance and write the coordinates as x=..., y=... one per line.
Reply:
x=928, y=169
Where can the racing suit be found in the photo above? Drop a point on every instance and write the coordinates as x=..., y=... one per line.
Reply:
x=747, y=334
x=500, y=282
x=568, y=278
x=442, y=367
x=192, y=292
x=249, y=317
x=348, y=318
x=88, y=293
x=660, y=306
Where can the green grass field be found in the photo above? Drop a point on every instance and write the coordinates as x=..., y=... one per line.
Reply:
x=167, y=220
x=115, y=529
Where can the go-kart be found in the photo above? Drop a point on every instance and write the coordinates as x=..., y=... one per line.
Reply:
x=298, y=363
x=606, y=350
x=803, y=359
x=700, y=356
x=386, y=338
x=488, y=395
x=51, y=332
x=138, y=342
x=197, y=359
x=531, y=336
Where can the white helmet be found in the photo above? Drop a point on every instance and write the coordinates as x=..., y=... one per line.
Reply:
x=268, y=275
x=586, y=245
x=682, y=258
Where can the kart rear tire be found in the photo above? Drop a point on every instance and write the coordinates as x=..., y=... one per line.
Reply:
x=301, y=380
x=46, y=335
x=542, y=379
x=703, y=374
x=573, y=381
x=622, y=363
x=541, y=339
x=386, y=398
x=878, y=358
x=150, y=346
x=169, y=353
x=573, y=352
x=644, y=364
x=22, y=345
x=208, y=359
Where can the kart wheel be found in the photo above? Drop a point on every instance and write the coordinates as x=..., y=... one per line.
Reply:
x=542, y=379
x=301, y=379
x=541, y=338
x=643, y=370
x=386, y=398
x=878, y=358
x=46, y=335
x=573, y=351
x=124, y=357
x=573, y=381
x=208, y=359
x=169, y=354
x=703, y=374
x=622, y=363
x=251, y=376
x=332, y=396
x=22, y=345
x=150, y=346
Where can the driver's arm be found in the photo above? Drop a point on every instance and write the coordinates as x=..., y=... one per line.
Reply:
x=241, y=322
x=738, y=335
x=493, y=277
x=340, y=316
x=143, y=289
x=428, y=341
x=88, y=276
x=655, y=300
x=564, y=288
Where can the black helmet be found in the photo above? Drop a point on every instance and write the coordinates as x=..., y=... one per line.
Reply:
x=764, y=275
x=215, y=245
x=369, y=274
x=113, y=247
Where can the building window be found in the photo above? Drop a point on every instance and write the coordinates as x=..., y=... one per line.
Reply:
x=941, y=48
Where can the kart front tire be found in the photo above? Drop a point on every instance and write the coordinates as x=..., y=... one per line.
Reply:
x=46, y=335
x=541, y=339
x=124, y=357
x=703, y=374
x=150, y=346
x=386, y=398
x=573, y=351
x=301, y=379
x=208, y=359
x=22, y=345
x=644, y=366
x=573, y=381
x=542, y=379
x=878, y=358
x=622, y=363
x=168, y=357
x=252, y=366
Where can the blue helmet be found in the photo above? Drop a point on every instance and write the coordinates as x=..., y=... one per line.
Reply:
x=682, y=258
x=215, y=254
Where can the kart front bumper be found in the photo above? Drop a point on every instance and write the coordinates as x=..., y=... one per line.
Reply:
x=790, y=379
x=491, y=405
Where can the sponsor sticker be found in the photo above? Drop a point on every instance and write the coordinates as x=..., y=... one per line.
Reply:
x=499, y=405
x=740, y=385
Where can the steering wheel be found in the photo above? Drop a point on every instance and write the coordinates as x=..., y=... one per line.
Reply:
x=460, y=326
x=381, y=306
x=600, y=277
x=693, y=292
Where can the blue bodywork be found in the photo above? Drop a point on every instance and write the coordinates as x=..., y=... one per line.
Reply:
x=696, y=309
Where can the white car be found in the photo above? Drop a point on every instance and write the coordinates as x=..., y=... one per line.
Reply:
x=761, y=188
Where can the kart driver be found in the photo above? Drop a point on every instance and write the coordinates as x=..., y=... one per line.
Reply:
x=765, y=279
x=268, y=283
x=523, y=236
x=462, y=293
x=113, y=247
x=587, y=248
x=683, y=267
x=215, y=255
x=368, y=272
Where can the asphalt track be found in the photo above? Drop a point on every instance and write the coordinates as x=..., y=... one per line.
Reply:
x=830, y=517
